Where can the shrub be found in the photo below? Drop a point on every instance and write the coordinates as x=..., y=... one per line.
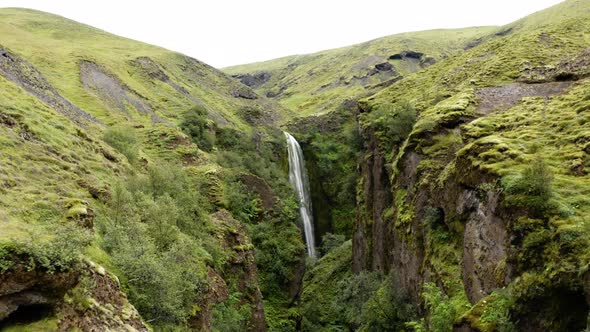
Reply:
x=279, y=247
x=195, y=124
x=442, y=312
x=163, y=285
x=355, y=292
x=498, y=312
x=331, y=241
x=389, y=309
x=152, y=228
x=230, y=316
x=124, y=140
x=228, y=138
x=393, y=123
x=531, y=188
x=243, y=205
x=59, y=252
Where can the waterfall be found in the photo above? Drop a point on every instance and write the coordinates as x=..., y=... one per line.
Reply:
x=300, y=182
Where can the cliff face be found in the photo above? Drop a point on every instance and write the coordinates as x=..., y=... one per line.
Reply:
x=442, y=215
x=374, y=197
x=85, y=298
x=472, y=200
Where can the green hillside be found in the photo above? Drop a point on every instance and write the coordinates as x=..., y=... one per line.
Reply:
x=129, y=155
x=316, y=83
x=141, y=189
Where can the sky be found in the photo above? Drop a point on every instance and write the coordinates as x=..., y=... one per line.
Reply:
x=231, y=32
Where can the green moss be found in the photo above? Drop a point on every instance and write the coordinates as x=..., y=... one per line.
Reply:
x=46, y=324
x=405, y=212
x=492, y=313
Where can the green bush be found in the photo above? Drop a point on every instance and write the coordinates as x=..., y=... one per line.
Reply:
x=228, y=138
x=532, y=188
x=59, y=252
x=389, y=309
x=279, y=248
x=230, y=316
x=393, y=123
x=124, y=140
x=195, y=124
x=331, y=241
x=152, y=227
x=442, y=312
x=498, y=312
x=355, y=292
x=163, y=285
x=243, y=205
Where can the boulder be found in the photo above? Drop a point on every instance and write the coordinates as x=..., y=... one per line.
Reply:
x=385, y=66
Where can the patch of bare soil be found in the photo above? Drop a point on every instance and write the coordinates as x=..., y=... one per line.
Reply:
x=257, y=185
x=25, y=75
x=111, y=90
x=501, y=98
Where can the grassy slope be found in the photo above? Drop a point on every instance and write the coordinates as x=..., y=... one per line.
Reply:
x=44, y=170
x=56, y=46
x=304, y=75
x=48, y=162
x=500, y=62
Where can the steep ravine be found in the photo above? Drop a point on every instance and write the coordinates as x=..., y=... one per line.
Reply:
x=432, y=215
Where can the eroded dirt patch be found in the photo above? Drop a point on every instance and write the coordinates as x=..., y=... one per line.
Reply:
x=25, y=75
x=110, y=89
x=501, y=98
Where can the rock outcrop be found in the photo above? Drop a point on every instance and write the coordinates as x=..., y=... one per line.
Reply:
x=253, y=81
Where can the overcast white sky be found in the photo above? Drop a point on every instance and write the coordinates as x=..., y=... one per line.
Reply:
x=230, y=32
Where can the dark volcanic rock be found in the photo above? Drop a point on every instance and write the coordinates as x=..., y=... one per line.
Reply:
x=22, y=287
x=571, y=69
x=407, y=54
x=504, y=32
x=413, y=54
x=253, y=80
x=272, y=94
x=385, y=66
x=473, y=43
x=242, y=267
x=485, y=241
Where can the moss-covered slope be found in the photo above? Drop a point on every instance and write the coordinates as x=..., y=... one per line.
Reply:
x=489, y=188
